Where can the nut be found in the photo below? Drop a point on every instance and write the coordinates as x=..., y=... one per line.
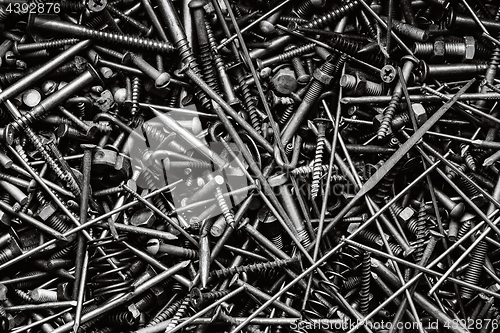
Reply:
x=470, y=47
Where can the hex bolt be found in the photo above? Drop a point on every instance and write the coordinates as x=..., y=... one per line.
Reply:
x=358, y=86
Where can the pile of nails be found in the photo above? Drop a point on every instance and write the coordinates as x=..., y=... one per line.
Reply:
x=249, y=166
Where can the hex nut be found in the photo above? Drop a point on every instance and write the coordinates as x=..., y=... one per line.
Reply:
x=438, y=50
x=406, y=214
x=470, y=47
x=420, y=114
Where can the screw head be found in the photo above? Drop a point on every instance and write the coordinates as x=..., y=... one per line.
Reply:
x=196, y=297
x=96, y=5
x=388, y=73
x=162, y=81
x=7, y=134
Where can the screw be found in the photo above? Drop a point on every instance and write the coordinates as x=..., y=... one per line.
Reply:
x=396, y=96
x=76, y=30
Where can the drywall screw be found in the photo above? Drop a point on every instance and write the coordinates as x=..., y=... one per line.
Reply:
x=409, y=63
x=197, y=298
x=76, y=30
x=321, y=124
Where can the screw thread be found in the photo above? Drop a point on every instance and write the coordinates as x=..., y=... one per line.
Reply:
x=72, y=6
x=218, y=62
x=334, y=15
x=207, y=68
x=464, y=228
x=153, y=133
x=304, y=9
x=228, y=215
x=371, y=237
x=352, y=282
x=384, y=186
x=277, y=241
x=421, y=232
x=186, y=56
x=292, y=19
x=296, y=52
x=127, y=40
x=306, y=169
x=46, y=45
x=468, y=188
x=136, y=95
x=50, y=161
x=253, y=268
x=348, y=81
x=473, y=272
x=145, y=301
x=304, y=238
x=43, y=295
x=389, y=115
x=468, y=158
x=396, y=249
x=4, y=14
x=24, y=297
x=373, y=89
x=287, y=113
x=317, y=164
x=249, y=103
x=58, y=223
x=127, y=19
x=364, y=293
x=167, y=313
x=183, y=309
x=452, y=174
x=27, y=284
x=120, y=319
x=64, y=251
